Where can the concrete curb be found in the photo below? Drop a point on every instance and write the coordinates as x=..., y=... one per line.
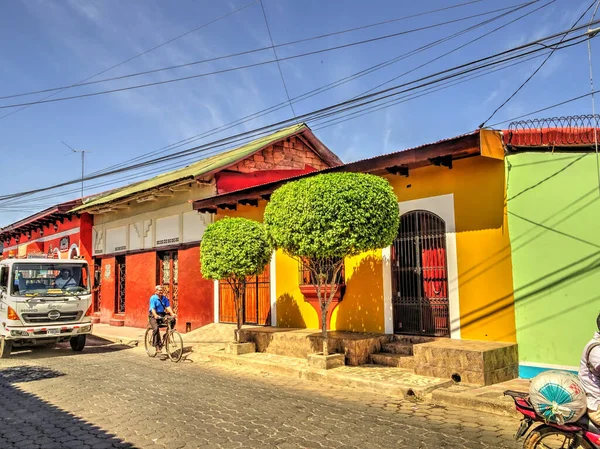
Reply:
x=130, y=341
x=330, y=377
x=118, y=340
x=271, y=367
x=495, y=406
x=405, y=391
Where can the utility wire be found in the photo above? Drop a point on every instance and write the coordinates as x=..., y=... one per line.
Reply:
x=83, y=82
x=519, y=117
x=462, y=46
x=350, y=104
x=231, y=69
x=390, y=103
x=242, y=134
x=323, y=125
x=589, y=46
x=538, y=69
x=311, y=93
x=328, y=124
x=287, y=94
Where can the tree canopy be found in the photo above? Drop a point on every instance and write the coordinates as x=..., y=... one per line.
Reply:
x=234, y=247
x=333, y=215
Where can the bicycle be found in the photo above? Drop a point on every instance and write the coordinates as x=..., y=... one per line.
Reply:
x=171, y=340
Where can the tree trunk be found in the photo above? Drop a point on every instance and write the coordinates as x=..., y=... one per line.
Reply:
x=324, y=328
x=241, y=299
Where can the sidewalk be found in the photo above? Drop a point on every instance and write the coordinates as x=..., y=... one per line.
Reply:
x=208, y=343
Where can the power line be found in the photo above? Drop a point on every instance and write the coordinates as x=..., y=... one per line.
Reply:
x=263, y=129
x=390, y=103
x=82, y=82
x=464, y=45
x=571, y=100
x=231, y=69
x=326, y=124
x=589, y=46
x=338, y=121
x=425, y=81
x=314, y=92
x=536, y=70
x=287, y=94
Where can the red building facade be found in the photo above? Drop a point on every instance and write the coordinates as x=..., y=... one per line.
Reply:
x=55, y=232
x=148, y=233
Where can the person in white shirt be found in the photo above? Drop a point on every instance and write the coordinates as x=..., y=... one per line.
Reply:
x=589, y=375
x=65, y=279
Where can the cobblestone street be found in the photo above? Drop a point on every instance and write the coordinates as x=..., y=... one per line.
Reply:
x=113, y=396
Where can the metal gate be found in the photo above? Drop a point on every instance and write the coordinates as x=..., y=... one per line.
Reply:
x=120, y=284
x=420, y=276
x=168, y=276
x=257, y=305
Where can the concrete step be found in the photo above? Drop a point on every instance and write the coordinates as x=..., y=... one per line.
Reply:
x=116, y=322
x=481, y=399
x=396, y=360
x=397, y=347
x=413, y=339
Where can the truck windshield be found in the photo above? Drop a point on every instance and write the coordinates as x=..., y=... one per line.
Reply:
x=49, y=279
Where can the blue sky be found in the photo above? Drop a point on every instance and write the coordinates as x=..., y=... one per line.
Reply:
x=47, y=44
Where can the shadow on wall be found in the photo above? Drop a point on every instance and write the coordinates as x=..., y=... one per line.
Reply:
x=361, y=308
x=288, y=312
x=37, y=417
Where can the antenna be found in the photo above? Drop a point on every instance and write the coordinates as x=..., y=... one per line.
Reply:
x=82, y=161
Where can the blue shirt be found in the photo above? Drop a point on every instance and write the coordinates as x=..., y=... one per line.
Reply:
x=157, y=305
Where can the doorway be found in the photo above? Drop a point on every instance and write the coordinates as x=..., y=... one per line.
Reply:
x=420, y=276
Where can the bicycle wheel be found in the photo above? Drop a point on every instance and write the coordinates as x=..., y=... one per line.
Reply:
x=174, y=346
x=150, y=349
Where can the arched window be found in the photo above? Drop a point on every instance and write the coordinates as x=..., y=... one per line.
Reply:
x=73, y=251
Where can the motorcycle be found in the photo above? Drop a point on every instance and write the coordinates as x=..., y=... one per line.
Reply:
x=582, y=434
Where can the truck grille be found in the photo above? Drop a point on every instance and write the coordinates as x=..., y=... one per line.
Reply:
x=43, y=317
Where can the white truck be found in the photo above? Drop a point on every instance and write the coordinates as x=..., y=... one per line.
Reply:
x=44, y=301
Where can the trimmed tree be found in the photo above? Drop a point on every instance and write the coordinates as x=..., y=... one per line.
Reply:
x=322, y=219
x=233, y=249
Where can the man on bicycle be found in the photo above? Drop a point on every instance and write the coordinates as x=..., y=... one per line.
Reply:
x=159, y=308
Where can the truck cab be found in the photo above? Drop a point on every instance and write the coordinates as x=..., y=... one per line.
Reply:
x=44, y=301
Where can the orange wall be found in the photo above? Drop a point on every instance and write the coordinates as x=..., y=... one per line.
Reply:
x=107, y=304
x=140, y=280
x=196, y=300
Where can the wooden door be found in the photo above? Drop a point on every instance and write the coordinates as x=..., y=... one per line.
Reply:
x=257, y=304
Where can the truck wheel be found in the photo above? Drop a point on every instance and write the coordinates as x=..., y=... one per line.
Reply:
x=78, y=343
x=5, y=348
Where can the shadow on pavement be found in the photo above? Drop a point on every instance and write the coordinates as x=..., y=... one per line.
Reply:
x=26, y=420
x=94, y=345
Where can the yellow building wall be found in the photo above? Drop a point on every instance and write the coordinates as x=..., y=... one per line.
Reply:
x=292, y=309
x=483, y=251
x=361, y=309
x=482, y=242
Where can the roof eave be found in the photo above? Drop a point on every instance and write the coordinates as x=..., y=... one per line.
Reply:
x=439, y=153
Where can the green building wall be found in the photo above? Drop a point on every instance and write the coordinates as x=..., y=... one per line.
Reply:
x=553, y=205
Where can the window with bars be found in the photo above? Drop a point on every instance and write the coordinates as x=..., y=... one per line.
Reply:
x=307, y=277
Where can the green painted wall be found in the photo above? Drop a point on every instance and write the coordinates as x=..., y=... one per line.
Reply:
x=554, y=223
